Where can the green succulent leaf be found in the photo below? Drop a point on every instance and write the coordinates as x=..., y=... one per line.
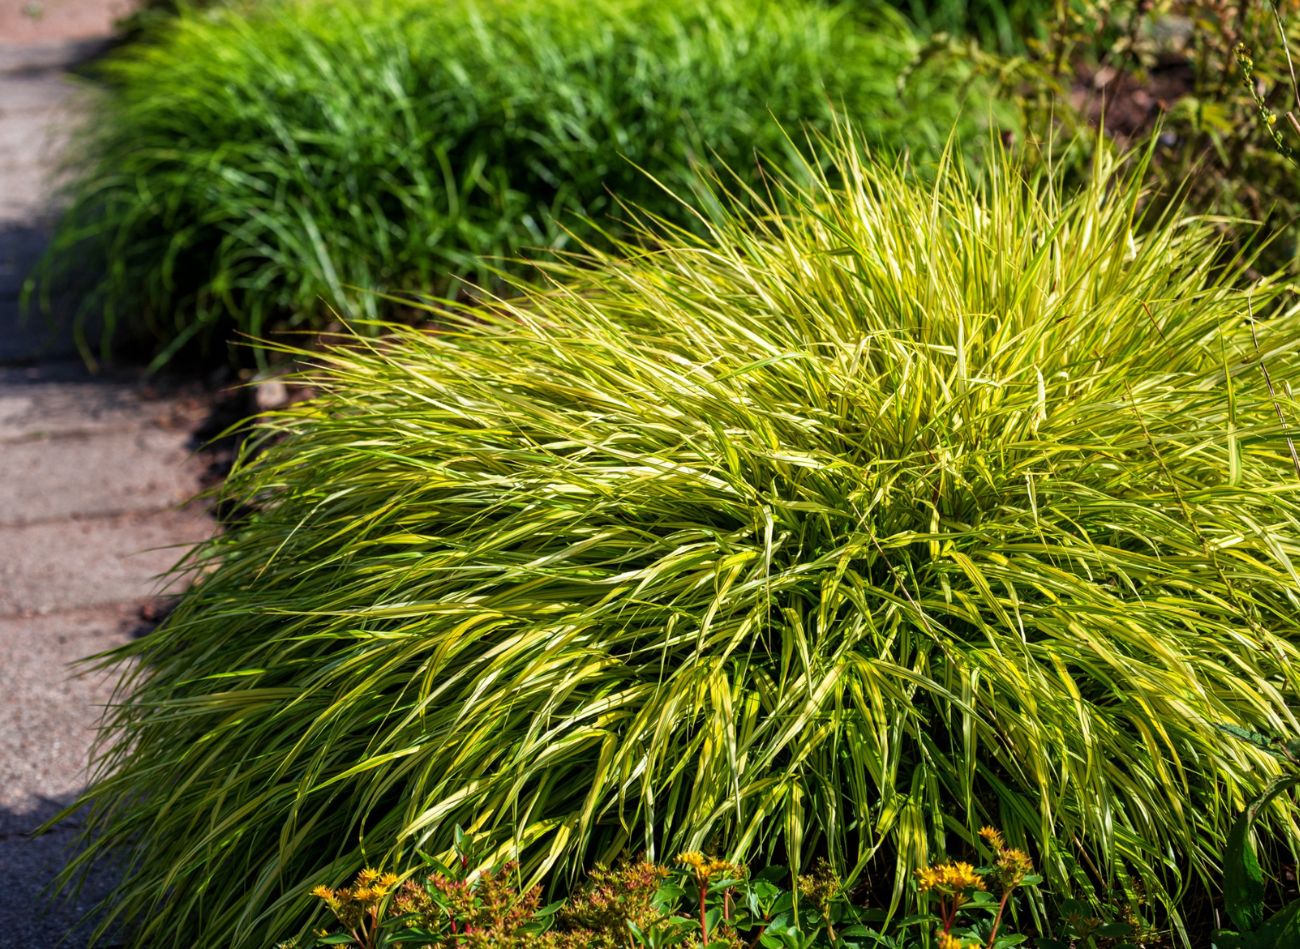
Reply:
x=1243, y=878
x=1279, y=931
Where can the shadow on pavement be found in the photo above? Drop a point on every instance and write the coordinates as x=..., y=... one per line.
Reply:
x=33, y=915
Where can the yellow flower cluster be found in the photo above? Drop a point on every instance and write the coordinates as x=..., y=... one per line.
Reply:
x=706, y=868
x=951, y=877
x=369, y=888
x=1012, y=865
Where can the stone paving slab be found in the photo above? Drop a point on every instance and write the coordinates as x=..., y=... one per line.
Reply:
x=26, y=145
x=27, y=60
x=90, y=470
x=20, y=205
x=56, y=399
x=47, y=723
x=28, y=21
x=51, y=706
x=62, y=565
x=43, y=92
x=37, y=121
x=21, y=246
x=75, y=477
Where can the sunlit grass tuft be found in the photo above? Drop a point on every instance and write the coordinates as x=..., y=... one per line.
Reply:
x=844, y=533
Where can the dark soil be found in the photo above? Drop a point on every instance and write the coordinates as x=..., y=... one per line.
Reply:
x=1129, y=103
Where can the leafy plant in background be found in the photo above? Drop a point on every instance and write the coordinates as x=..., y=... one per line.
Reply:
x=1211, y=151
x=1164, y=74
x=1001, y=26
x=1243, y=878
x=790, y=540
x=261, y=165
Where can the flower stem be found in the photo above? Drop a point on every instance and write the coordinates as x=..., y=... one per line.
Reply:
x=997, y=920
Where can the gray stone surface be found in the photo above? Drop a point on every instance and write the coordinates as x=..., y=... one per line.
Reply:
x=61, y=399
x=51, y=705
x=77, y=477
x=43, y=21
x=33, y=917
x=47, y=722
x=37, y=111
x=26, y=136
x=17, y=204
x=101, y=561
x=32, y=340
x=93, y=470
x=37, y=94
x=26, y=60
x=20, y=249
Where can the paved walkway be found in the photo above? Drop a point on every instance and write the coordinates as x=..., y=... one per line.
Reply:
x=93, y=471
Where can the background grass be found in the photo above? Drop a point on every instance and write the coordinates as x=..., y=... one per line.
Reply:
x=253, y=167
x=835, y=534
x=1005, y=26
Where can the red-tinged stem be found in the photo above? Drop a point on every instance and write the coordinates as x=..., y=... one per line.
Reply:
x=997, y=920
x=704, y=921
x=948, y=913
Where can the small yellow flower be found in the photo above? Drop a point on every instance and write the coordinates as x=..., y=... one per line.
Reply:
x=927, y=878
x=707, y=868
x=367, y=877
x=1014, y=866
x=723, y=868
x=951, y=877
x=693, y=859
x=962, y=876
x=993, y=837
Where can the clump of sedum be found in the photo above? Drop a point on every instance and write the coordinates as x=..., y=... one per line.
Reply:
x=834, y=534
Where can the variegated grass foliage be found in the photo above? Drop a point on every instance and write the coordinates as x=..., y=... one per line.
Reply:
x=842, y=533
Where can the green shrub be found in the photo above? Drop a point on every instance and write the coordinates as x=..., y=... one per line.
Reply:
x=963, y=500
x=261, y=166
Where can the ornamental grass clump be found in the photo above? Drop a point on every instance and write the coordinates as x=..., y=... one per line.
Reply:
x=838, y=533
x=252, y=167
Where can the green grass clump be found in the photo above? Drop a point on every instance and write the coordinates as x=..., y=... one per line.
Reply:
x=257, y=166
x=1004, y=25
x=836, y=533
